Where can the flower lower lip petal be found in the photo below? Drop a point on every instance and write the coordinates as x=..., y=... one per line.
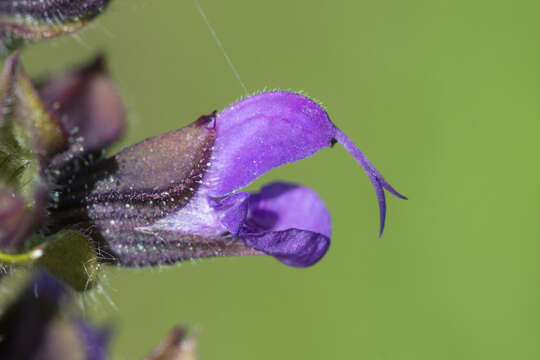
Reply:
x=289, y=222
x=293, y=247
x=281, y=206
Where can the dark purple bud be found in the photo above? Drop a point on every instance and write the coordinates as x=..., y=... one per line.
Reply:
x=87, y=105
x=34, y=20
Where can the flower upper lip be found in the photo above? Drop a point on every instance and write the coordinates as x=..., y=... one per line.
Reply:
x=277, y=128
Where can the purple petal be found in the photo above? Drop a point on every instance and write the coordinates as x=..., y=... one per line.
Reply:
x=262, y=132
x=233, y=210
x=281, y=206
x=271, y=129
x=289, y=222
x=293, y=247
x=87, y=104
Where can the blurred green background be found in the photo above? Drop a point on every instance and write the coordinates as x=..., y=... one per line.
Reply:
x=443, y=98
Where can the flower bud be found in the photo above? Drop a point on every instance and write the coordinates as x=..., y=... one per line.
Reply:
x=34, y=20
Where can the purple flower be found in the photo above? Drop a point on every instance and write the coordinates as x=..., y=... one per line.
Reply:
x=34, y=20
x=176, y=196
x=169, y=198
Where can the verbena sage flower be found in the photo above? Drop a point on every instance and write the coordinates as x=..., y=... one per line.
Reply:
x=169, y=198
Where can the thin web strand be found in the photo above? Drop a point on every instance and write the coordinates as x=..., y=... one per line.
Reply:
x=220, y=46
